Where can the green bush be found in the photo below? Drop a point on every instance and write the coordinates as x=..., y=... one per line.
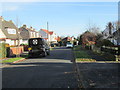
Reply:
x=2, y=50
x=104, y=42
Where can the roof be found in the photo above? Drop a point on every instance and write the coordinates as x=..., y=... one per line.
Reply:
x=48, y=32
x=24, y=33
x=9, y=24
x=29, y=29
x=67, y=38
x=87, y=33
x=51, y=33
x=45, y=30
x=116, y=33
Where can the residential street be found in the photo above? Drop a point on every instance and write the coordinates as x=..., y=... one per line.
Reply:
x=54, y=71
x=60, y=44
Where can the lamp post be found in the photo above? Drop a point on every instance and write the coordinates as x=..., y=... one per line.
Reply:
x=18, y=43
x=18, y=32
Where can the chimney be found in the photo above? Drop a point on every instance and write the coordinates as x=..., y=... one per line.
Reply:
x=1, y=18
x=24, y=26
x=31, y=28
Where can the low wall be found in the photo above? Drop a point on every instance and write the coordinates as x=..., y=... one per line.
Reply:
x=13, y=51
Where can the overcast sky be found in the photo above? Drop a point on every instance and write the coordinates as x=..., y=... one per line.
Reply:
x=65, y=18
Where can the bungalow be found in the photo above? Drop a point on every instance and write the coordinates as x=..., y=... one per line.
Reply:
x=9, y=33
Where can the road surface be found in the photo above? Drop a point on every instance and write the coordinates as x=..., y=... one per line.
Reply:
x=54, y=71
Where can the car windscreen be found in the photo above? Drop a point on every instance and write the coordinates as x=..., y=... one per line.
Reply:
x=35, y=42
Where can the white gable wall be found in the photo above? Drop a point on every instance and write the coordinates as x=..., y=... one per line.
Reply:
x=2, y=35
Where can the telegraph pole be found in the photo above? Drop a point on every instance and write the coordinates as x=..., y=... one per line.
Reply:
x=48, y=31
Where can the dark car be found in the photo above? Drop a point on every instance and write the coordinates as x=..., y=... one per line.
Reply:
x=38, y=47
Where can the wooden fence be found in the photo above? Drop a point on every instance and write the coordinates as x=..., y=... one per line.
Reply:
x=113, y=50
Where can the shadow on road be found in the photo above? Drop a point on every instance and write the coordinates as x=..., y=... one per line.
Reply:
x=39, y=75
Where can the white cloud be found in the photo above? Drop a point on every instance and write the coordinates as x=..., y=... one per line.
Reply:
x=59, y=0
x=10, y=8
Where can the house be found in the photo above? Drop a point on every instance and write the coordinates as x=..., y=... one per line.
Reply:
x=53, y=37
x=9, y=33
x=116, y=36
x=27, y=33
x=50, y=36
x=88, y=38
x=68, y=39
x=33, y=33
x=112, y=35
x=24, y=34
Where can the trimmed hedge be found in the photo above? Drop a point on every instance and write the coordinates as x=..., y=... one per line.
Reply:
x=2, y=50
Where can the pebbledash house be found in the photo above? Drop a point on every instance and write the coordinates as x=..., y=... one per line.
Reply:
x=9, y=33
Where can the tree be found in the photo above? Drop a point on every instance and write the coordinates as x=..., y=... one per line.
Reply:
x=79, y=38
x=95, y=30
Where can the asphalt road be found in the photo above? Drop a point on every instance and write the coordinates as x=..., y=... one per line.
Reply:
x=100, y=75
x=54, y=71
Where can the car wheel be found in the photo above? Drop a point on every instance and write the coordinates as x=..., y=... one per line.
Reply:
x=30, y=56
x=44, y=54
x=48, y=53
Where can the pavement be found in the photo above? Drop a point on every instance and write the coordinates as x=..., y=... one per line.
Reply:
x=100, y=75
x=54, y=71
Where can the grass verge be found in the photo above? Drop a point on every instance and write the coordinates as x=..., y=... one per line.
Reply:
x=11, y=60
x=81, y=55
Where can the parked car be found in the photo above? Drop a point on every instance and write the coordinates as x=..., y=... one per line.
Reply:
x=52, y=45
x=69, y=45
x=38, y=47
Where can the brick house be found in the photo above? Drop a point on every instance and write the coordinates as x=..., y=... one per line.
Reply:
x=88, y=38
x=67, y=39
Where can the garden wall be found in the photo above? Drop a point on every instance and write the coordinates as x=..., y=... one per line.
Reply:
x=13, y=51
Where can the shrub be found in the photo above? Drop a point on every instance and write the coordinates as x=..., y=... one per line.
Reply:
x=2, y=50
x=104, y=42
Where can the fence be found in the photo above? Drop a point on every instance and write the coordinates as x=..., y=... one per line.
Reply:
x=113, y=50
x=2, y=51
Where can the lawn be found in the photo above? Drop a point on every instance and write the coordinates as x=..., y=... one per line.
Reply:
x=81, y=54
x=11, y=60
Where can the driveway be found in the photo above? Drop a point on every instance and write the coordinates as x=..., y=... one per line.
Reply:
x=54, y=71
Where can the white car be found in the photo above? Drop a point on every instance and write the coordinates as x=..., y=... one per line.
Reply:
x=69, y=45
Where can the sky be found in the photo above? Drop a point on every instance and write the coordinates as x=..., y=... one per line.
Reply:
x=64, y=18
